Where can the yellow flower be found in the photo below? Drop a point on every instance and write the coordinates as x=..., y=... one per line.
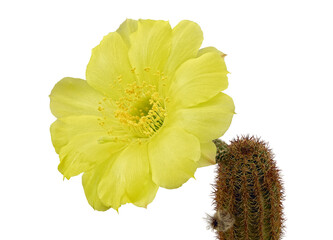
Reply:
x=146, y=115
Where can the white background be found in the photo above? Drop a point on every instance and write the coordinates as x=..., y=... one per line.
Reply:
x=280, y=58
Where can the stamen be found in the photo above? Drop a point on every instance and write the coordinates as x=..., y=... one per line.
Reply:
x=113, y=139
x=142, y=110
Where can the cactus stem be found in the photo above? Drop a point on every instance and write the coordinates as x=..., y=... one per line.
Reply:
x=248, y=192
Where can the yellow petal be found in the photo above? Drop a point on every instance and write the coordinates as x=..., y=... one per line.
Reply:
x=150, y=48
x=90, y=182
x=198, y=80
x=173, y=156
x=73, y=96
x=208, y=120
x=210, y=49
x=64, y=129
x=126, y=29
x=208, y=154
x=83, y=152
x=109, y=69
x=186, y=41
x=128, y=179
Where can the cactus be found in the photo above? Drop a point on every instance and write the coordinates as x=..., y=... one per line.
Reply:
x=248, y=192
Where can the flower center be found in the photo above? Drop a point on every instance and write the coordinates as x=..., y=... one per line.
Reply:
x=141, y=109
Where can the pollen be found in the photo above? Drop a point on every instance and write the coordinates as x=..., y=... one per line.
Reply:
x=120, y=78
x=141, y=109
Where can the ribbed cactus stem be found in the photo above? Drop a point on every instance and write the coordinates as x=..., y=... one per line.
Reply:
x=248, y=188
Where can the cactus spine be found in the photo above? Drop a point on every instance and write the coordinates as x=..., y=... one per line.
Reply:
x=248, y=186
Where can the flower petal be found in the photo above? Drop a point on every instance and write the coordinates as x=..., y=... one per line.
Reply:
x=208, y=154
x=128, y=179
x=64, y=129
x=210, y=49
x=90, y=182
x=150, y=48
x=83, y=152
x=109, y=69
x=186, y=41
x=73, y=96
x=208, y=120
x=198, y=80
x=173, y=156
x=126, y=29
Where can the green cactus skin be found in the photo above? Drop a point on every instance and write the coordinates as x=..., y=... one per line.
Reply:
x=248, y=185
